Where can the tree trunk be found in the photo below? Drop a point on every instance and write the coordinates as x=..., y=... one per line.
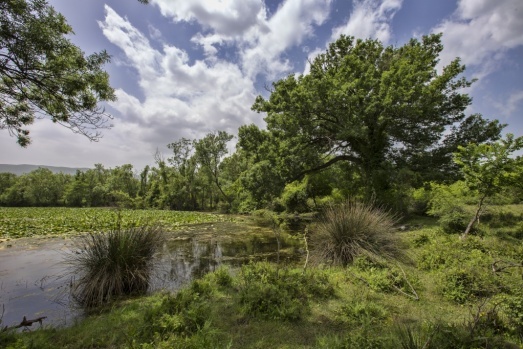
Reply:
x=475, y=218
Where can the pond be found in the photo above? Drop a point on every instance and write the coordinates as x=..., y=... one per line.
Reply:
x=33, y=281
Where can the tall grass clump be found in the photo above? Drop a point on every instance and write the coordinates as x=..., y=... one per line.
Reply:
x=112, y=264
x=355, y=228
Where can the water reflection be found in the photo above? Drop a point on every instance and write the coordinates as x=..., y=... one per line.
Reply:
x=186, y=259
x=32, y=282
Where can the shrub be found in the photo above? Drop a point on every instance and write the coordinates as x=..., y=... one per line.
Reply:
x=419, y=203
x=113, y=264
x=363, y=312
x=284, y=294
x=223, y=277
x=352, y=229
x=513, y=306
x=294, y=197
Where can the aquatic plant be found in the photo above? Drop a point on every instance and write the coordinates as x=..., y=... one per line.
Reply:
x=112, y=264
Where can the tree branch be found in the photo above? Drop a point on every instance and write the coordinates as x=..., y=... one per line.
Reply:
x=327, y=164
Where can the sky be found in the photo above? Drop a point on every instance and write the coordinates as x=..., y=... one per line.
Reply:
x=184, y=68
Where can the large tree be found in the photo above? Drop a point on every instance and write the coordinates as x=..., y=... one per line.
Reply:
x=43, y=74
x=379, y=108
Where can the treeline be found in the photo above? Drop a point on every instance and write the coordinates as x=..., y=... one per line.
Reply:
x=370, y=122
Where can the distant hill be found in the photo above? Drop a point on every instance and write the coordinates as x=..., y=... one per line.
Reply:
x=22, y=169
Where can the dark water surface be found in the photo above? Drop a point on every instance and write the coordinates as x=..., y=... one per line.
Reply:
x=33, y=281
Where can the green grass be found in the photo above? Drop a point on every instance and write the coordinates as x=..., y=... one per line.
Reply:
x=39, y=222
x=369, y=307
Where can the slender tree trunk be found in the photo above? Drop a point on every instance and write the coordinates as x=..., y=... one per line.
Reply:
x=475, y=218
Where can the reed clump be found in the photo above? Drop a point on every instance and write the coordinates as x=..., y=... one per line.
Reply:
x=106, y=266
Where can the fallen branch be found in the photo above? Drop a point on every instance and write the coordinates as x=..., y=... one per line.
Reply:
x=26, y=323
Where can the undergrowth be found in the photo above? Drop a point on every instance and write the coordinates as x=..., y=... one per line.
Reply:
x=470, y=296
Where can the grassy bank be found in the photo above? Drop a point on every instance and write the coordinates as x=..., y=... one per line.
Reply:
x=446, y=293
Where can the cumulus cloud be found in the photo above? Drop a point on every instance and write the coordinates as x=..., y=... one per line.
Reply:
x=228, y=18
x=370, y=19
x=289, y=26
x=180, y=99
x=480, y=32
x=246, y=25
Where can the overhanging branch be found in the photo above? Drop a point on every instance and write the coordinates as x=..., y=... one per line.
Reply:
x=327, y=164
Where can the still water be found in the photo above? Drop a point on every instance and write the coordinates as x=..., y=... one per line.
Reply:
x=33, y=281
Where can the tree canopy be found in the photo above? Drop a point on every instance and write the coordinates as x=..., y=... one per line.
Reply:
x=378, y=108
x=43, y=74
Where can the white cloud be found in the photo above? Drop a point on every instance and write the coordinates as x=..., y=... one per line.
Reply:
x=226, y=17
x=180, y=99
x=289, y=26
x=370, y=19
x=512, y=104
x=480, y=32
x=260, y=40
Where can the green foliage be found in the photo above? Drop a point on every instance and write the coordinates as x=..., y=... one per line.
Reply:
x=272, y=293
x=183, y=313
x=419, y=203
x=294, y=197
x=36, y=221
x=363, y=313
x=488, y=168
x=43, y=72
x=381, y=277
x=513, y=308
x=447, y=202
x=352, y=229
x=107, y=266
x=367, y=105
x=463, y=268
x=223, y=277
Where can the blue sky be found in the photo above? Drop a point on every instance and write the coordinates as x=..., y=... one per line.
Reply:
x=183, y=68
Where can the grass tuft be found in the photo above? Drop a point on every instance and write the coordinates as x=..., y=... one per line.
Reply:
x=352, y=229
x=110, y=265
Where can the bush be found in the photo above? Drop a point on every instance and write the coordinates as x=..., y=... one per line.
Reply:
x=419, y=203
x=184, y=313
x=272, y=293
x=363, y=313
x=352, y=229
x=294, y=197
x=223, y=277
x=513, y=306
x=113, y=264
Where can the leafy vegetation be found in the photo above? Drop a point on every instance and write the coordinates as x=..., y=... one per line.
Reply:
x=469, y=297
x=39, y=221
x=367, y=122
x=42, y=73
